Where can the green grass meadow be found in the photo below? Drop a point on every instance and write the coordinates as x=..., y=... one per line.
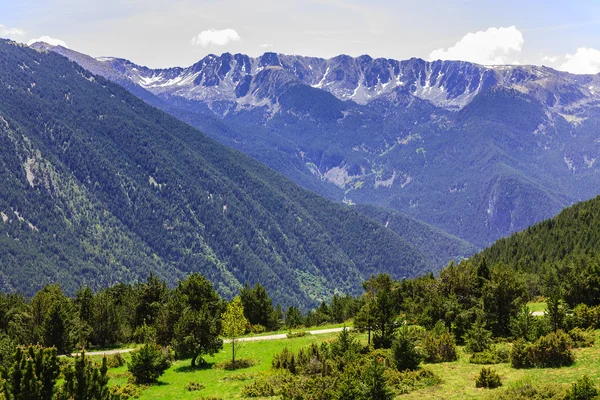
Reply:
x=458, y=378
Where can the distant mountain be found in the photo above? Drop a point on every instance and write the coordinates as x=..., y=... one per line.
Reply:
x=98, y=188
x=479, y=152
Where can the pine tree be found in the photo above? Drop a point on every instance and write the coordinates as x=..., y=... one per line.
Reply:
x=375, y=383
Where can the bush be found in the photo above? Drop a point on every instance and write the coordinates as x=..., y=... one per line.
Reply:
x=581, y=337
x=495, y=355
x=439, y=345
x=194, y=386
x=550, y=351
x=405, y=354
x=488, y=378
x=115, y=360
x=522, y=354
x=262, y=387
x=584, y=316
x=126, y=391
x=292, y=335
x=258, y=328
x=525, y=390
x=239, y=364
x=148, y=363
x=554, y=350
x=408, y=381
x=583, y=389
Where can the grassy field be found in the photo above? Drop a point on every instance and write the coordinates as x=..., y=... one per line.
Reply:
x=218, y=382
x=458, y=377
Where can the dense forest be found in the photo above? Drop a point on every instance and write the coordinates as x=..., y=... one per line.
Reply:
x=100, y=188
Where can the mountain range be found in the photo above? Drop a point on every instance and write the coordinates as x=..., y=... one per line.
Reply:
x=97, y=187
x=477, y=151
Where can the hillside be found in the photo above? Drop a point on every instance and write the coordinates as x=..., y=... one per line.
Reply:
x=572, y=234
x=479, y=152
x=98, y=187
x=437, y=246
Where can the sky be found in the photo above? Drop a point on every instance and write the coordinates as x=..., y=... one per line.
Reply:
x=158, y=33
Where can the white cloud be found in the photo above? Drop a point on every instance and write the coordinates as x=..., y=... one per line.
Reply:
x=584, y=61
x=550, y=59
x=491, y=47
x=48, y=40
x=215, y=37
x=266, y=45
x=10, y=32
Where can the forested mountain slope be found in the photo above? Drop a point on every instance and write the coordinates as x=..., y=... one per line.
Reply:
x=479, y=152
x=572, y=235
x=98, y=187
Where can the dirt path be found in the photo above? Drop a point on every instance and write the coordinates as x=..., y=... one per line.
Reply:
x=245, y=339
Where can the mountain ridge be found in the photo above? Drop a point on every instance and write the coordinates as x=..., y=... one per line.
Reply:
x=99, y=187
x=464, y=159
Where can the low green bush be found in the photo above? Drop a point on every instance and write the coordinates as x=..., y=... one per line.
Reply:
x=550, y=351
x=583, y=389
x=238, y=364
x=582, y=337
x=488, y=378
x=126, y=391
x=439, y=345
x=292, y=335
x=115, y=360
x=194, y=386
x=525, y=390
x=409, y=381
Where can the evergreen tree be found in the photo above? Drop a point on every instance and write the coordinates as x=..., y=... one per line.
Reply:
x=197, y=331
x=148, y=363
x=85, y=381
x=258, y=307
x=405, y=353
x=33, y=374
x=375, y=383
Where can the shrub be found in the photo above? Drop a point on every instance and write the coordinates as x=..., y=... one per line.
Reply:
x=239, y=364
x=115, y=360
x=488, y=378
x=262, y=387
x=439, y=345
x=584, y=316
x=522, y=354
x=258, y=328
x=552, y=350
x=148, y=363
x=126, y=391
x=408, y=381
x=495, y=355
x=581, y=337
x=583, y=389
x=525, y=390
x=405, y=354
x=292, y=335
x=194, y=386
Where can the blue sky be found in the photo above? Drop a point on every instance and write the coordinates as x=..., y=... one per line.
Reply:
x=158, y=33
